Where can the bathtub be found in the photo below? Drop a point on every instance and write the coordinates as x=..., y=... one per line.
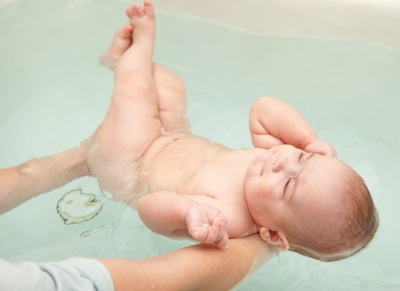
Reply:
x=337, y=62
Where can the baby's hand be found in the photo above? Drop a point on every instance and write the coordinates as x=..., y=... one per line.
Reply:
x=321, y=148
x=207, y=224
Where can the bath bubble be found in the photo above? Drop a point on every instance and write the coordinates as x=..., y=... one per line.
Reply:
x=77, y=207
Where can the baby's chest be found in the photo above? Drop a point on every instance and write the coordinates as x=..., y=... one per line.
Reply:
x=227, y=195
x=214, y=184
x=208, y=179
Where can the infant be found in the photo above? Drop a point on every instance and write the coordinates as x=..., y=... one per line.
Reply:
x=290, y=188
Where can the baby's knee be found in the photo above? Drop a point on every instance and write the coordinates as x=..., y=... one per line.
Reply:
x=167, y=79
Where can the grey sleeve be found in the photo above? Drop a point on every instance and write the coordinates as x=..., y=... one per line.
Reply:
x=78, y=274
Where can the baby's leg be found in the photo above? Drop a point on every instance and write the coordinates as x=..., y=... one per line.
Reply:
x=121, y=42
x=170, y=89
x=171, y=100
x=132, y=122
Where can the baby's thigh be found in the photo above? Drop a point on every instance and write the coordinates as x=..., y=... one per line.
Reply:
x=117, y=175
x=132, y=121
x=171, y=100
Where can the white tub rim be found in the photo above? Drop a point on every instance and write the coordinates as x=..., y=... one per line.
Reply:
x=375, y=21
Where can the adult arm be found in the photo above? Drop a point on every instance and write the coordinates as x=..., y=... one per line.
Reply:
x=20, y=183
x=198, y=267
x=273, y=122
x=170, y=214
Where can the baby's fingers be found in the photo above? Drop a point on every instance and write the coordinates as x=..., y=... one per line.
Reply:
x=321, y=148
x=223, y=242
x=218, y=234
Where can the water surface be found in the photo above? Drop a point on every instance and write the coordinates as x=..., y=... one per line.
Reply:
x=54, y=95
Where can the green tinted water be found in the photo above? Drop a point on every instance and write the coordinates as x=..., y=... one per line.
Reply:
x=54, y=94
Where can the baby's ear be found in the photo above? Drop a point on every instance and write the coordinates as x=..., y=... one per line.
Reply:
x=275, y=238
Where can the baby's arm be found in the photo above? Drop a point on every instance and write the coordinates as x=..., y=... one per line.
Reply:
x=171, y=214
x=273, y=122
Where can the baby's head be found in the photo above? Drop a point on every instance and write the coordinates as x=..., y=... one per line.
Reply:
x=308, y=203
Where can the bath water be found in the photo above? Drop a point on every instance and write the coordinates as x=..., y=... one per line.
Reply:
x=54, y=95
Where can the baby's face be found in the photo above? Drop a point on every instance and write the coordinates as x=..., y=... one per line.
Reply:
x=287, y=183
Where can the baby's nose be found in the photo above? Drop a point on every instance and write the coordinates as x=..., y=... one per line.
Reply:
x=282, y=163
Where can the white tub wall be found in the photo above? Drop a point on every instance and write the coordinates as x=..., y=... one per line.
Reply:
x=5, y=2
x=370, y=20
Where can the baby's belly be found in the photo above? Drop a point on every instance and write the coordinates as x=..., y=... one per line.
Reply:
x=178, y=163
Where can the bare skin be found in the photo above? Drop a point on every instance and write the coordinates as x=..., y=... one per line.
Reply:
x=144, y=146
x=160, y=141
x=203, y=183
x=198, y=267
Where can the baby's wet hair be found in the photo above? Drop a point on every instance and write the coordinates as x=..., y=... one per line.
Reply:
x=351, y=226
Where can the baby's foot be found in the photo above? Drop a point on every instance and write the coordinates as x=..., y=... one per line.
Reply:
x=143, y=20
x=121, y=42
